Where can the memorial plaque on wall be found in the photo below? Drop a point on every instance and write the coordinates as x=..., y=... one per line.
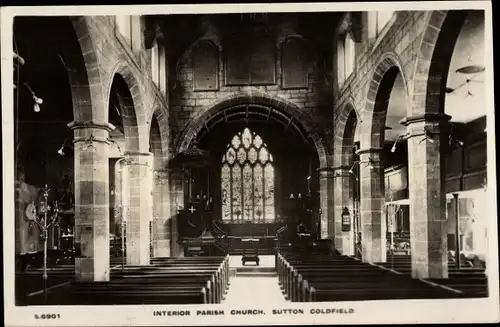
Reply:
x=205, y=67
x=249, y=62
x=236, y=62
x=262, y=62
x=294, y=64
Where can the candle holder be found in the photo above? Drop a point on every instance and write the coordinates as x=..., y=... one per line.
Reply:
x=45, y=217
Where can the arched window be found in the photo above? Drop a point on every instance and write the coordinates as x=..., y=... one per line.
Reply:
x=383, y=18
x=377, y=21
x=247, y=180
x=341, y=62
x=129, y=28
x=124, y=26
x=350, y=54
x=155, y=64
x=159, y=66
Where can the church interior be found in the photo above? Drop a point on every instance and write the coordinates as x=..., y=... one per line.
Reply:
x=304, y=157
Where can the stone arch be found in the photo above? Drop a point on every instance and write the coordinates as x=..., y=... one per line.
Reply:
x=196, y=124
x=377, y=98
x=158, y=138
x=433, y=61
x=132, y=109
x=349, y=120
x=83, y=71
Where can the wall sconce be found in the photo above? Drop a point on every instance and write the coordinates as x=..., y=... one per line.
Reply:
x=452, y=137
x=61, y=149
x=36, y=100
x=369, y=163
x=427, y=136
x=400, y=137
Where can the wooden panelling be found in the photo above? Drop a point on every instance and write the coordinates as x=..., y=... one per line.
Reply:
x=237, y=62
x=205, y=67
x=475, y=156
x=262, y=62
x=474, y=180
x=295, y=61
x=454, y=163
x=250, y=62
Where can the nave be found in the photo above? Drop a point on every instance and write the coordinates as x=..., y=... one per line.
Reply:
x=355, y=189
x=278, y=279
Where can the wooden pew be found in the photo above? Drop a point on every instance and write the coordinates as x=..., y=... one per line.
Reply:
x=341, y=278
x=103, y=293
x=473, y=282
x=166, y=281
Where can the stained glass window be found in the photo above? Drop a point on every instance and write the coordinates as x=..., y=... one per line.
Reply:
x=247, y=180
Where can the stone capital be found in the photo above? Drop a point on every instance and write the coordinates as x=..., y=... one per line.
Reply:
x=341, y=169
x=90, y=124
x=162, y=172
x=138, y=158
x=132, y=154
x=326, y=172
x=427, y=117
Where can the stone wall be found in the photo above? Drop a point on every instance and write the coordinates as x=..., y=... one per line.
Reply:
x=188, y=104
x=109, y=51
x=401, y=42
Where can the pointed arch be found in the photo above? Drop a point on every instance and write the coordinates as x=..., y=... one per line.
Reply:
x=247, y=180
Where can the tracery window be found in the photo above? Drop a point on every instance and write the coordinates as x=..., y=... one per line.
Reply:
x=247, y=180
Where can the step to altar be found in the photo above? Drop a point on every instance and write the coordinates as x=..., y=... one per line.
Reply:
x=255, y=271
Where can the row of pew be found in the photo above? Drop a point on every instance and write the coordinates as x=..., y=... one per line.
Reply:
x=330, y=278
x=188, y=280
x=472, y=282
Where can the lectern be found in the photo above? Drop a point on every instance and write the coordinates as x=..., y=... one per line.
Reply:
x=250, y=250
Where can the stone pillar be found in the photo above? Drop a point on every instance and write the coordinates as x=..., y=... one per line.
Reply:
x=427, y=194
x=343, y=195
x=91, y=200
x=138, y=176
x=177, y=200
x=326, y=202
x=161, y=228
x=372, y=197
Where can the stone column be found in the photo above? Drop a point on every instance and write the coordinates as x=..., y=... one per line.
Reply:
x=91, y=200
x=372, y=197
x=427, y=194
x=343, y=195
x=138, y=176
x=326, y=202
x=177, y=200
x=161, y=228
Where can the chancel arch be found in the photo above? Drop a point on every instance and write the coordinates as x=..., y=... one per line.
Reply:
x=367, y=168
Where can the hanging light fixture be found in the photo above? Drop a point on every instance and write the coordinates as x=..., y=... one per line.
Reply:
x=37, y=102
x=61, y=150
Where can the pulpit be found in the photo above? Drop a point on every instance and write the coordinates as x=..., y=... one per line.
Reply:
x=250, y=250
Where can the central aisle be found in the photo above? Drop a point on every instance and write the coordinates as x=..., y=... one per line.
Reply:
x=253, y=285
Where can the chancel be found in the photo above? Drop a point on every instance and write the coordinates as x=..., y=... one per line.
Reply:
x=186, y=159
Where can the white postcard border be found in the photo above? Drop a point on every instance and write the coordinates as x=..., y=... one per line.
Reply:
x=375, y=312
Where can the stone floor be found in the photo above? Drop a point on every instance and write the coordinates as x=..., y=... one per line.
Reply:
x=254, y=289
